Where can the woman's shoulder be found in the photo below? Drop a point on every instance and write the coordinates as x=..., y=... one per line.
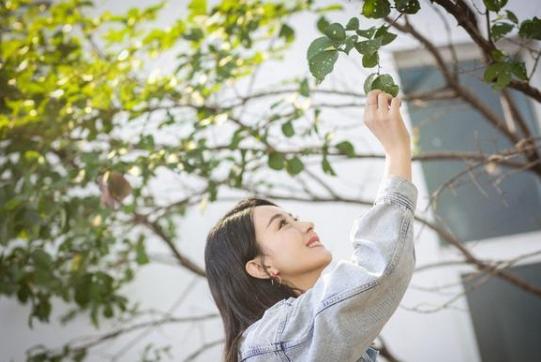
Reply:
x=264, y=339
x=277, y=313
x=262, y=335
x=263, y=325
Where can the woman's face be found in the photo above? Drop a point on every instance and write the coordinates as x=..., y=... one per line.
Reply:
x=282, y=238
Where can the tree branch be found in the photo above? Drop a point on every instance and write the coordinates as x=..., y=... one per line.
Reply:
x=157, y=229
x=467, y=20
x=463, y=92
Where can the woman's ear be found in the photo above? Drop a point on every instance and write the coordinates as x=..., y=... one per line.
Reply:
x=255, y=268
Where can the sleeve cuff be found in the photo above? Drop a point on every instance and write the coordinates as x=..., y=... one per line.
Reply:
x=397, y=190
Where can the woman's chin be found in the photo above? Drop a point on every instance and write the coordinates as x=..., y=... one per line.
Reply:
x=328, y=255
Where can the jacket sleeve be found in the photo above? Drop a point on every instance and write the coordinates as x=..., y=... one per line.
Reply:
x=345, y=310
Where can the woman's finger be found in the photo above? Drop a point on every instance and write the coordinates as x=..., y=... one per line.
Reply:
x=383, y=102
x=372, y=100
x=395, y=105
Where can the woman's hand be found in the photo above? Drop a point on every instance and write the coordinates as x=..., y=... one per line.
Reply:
x=386, y=123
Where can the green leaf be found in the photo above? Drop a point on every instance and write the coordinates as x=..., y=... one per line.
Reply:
x=23, y=292
x=42, y=309
x=213, y=190
x=276, y=160
x=386, y=83
x=385, y=36
x=531, y=28
x=500, y=72
x=317, y=46
x=511, y=16
x=368, y=46
x=350, y=43
x=42, y=259
x=353, y=24
x=494, y=5
x=193, y=34
x=141, y=255
x=287, y=32
x=497, y=55
x=294, y=166
x=366, y=33
x=79, y=355
x=13, y=203
x=332, y=7
x=368, y=82
x=335, y=31
x=346, y=147
x=503, y=80
x=304, y=88
x=327, y=168
x=94, y=315
x=82, y=289
x=63, y=219
x=287, y=129
x=317, y=112
x=108, y=311
x=370, y=60
x=500, y=29
x=519, y=70
x=197, y=7
x=407, y=6
x=322, y=24
x=323, y=63
x=492, y=71
x=236, y=138
x=376, y=8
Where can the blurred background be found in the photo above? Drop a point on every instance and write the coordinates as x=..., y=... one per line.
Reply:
x=127, y=129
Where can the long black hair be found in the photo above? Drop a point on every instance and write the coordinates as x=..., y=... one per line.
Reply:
x=241, y=298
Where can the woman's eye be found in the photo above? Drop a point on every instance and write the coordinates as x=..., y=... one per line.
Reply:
x=284, y=221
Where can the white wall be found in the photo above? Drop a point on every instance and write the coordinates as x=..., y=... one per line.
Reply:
x=445, y=336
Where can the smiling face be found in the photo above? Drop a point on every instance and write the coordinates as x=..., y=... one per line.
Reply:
x=282, y=238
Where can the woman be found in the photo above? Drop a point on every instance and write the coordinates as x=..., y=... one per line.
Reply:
x=272, y=281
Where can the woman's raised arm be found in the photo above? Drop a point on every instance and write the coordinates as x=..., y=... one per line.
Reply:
x=341, y=315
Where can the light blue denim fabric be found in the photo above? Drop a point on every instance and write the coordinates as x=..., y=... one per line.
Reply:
x=341, y=315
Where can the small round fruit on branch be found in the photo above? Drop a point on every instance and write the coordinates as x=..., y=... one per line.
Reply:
x=114, y=188
x=383, y=82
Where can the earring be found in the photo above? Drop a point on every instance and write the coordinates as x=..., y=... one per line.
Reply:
x=279, y=279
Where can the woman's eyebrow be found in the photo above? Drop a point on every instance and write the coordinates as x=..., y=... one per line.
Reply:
x=275, y=216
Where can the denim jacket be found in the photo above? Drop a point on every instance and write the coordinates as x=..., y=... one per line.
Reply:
x=341, y=315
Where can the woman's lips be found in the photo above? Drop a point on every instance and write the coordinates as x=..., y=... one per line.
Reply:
x=313, y=242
